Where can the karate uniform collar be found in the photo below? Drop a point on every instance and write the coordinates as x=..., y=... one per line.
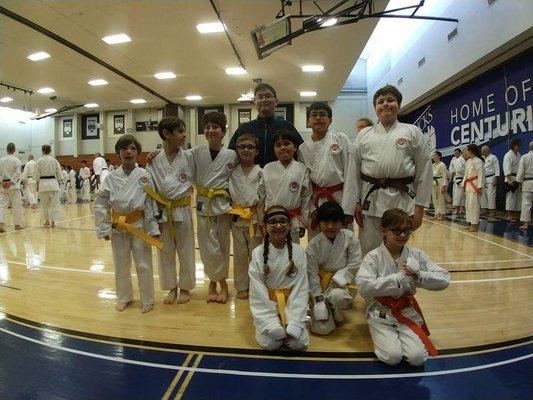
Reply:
x=393, y=126
x=403, y=256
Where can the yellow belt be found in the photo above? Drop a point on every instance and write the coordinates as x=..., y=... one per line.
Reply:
x=169, y=205
x=326, y=278
x=280, y=296
x=245, y=213
x=211, y=193
x=125, y=222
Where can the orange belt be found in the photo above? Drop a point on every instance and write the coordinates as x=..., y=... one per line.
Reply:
x=326, y=192
x=125, y=221
x=325, y=278
x=472, y=183
x=397, y=305
x=280, y=297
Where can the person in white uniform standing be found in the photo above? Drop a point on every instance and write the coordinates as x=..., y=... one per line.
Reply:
x=525, y=177
x=440, y=182
x=393, y=169
x=100, y=169
x=387, y=279
x=72, y=196
x=473, y=184
x=48, y=175
x=85, y=176
x=30, y=185
x=492, y=172
x=510, y=169
x=458, y=172
x=10, y=171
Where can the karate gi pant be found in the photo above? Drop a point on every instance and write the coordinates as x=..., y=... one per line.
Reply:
x=86, y=190
x=30, y=193
x=337, y=299
x=439, y=200
x=243, y=245
x=458, y=195
x=488, y=197
x=370, y=236
x=72, y=197
x=50, y=203
x=472, y=206
x=394, y=341
x=268, y=343
x=512, y=200
x=124, y=246
x=525, y=214
x=13, y=197
x=214, y=243
x=183, y=244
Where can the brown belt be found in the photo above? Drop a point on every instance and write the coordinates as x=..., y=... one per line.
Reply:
x=397, y=183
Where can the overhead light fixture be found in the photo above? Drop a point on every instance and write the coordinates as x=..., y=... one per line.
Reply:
x=308, y=94
x=50, y=110
x=91, y=105
x=193, y=97
x=246, y=96
x=328, y=22
x=165, y=75
x=41, y=55
x=97, y=82
x=137, y=101
x=116, y=39
x=312, y=68
x=6, y=99
x=210, y=27
x=236, y=71
x=46, y=90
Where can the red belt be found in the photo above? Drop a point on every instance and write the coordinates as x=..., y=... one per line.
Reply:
x=296, y=213
x=397, y=305
x=471, y=182
x=326, y=192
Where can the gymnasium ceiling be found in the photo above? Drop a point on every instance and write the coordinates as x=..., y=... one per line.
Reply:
x=164, y=38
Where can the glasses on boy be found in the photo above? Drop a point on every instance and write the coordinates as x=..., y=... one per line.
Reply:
x=247, y=147
x=321, y=114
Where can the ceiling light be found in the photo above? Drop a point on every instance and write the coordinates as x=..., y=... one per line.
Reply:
x=138, y=101
x=97, y=82
x=91, y=105
x=308, y=94
x=46, y=90
x=246, y=96
x=115, y=39
x=194, y=97
x=236, y=71
x=329, y=22
x=165, y=75
x=41, y=55
x=312, y=68
x=50, y=110
x=210, y=27
x=6, y=99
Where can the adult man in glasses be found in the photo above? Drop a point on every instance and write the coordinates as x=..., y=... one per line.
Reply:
x=265, y=125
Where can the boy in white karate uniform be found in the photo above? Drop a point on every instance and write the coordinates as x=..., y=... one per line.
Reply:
x=333, y=258
x=48, y=175
x=525, y=178
x=473, y=185
x=10, y=171
x=286, y=182
x=279, y=290
x=492, y=172
x=440, y=182
x=511, y=159
x=72, y=196
x=172, y=172
x=85, y=176
x=458, y=172
x=126, y=215
x=30, y=185
x=243, y=185
x=328, y=155
x=213, y=167
x=387, y=279
x=63, y=184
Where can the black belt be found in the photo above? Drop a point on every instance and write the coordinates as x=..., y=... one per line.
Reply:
x=458, y=179
x=48, y=177
x=528, y=179
x=489, y=176
x=104, y=168
x=512, y=174
x=6, y=180
x=397, y=183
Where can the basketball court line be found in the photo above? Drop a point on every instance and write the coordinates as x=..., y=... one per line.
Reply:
x=40, y=226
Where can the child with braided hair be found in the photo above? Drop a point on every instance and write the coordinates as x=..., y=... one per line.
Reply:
x=279, y=286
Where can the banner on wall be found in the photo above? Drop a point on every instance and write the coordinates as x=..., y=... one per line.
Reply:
x=67, y=129
x=245, y=115
x=144, y=126
x=90, y=126
x=491, y=109
x=119, y=124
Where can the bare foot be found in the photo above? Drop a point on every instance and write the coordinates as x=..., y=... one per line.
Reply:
x=212, y=293
x=223, y=296
x=47, y=224
x=18, y=227
x=184, y=296
x=147, y=308
x=472, y=228
x=242, y=294
x=121, y=306
x=170, y=298
x=52, y=224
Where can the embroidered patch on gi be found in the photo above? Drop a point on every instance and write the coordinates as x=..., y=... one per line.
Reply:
x=294, y=186
x=401, y=143
x=335, y=148
x=183, y=177
x=143, y=180
x=229, y=166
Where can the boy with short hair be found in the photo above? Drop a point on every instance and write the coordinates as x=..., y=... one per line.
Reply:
x=85, y=176
x=10, y=170
x=48, y=174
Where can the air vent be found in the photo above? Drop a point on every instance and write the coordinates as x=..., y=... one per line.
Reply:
x=421, y=62
x=400, y=81
x=452, y=34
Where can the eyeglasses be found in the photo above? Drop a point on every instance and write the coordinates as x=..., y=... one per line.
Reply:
x=247, y=147
x=283, y=222
x=266, y=96
x=399, y=232
x=322, y=114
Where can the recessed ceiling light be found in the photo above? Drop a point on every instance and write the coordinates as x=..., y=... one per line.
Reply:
x=329, y=22
x=165, y=75
x=246, y=96
x=91, y=105
x=41, y=55
x=50, y=110
x=6, y=99
x=193, y=97
x=312, y=68
x=138, y=101
x=308, y=94
x=115, y=39
x=236, y=71
x=46, y=90
x=210, y=27
x=97, y=82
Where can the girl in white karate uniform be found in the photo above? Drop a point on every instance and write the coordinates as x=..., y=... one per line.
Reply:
x=278, y=286
x=473, y=183
x=440, y=182
x=121, y=207
x=387, y=279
